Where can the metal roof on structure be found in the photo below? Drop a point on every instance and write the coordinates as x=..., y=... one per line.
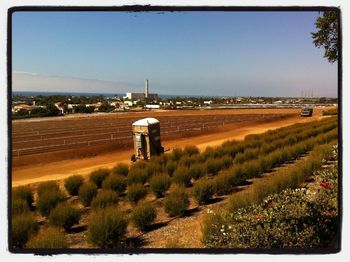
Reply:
x=146, y=122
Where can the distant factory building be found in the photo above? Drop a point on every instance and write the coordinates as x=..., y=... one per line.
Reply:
x=141, y=96
x=135, y=96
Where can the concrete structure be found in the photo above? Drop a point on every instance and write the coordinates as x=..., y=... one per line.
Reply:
x=146, y=88
x=146, y=136
x=141, y=96
x=135, y=96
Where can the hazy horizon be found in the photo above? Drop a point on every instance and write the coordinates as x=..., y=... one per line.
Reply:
x=181, y=53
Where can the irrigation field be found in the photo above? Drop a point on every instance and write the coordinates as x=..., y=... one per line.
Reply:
x=32, y=137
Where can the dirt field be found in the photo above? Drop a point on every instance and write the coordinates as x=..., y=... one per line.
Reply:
x=79, y=136
x=34, y=173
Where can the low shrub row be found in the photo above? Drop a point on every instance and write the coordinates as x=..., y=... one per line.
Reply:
x=225, y=182
x=282, y=179
x=221, y=158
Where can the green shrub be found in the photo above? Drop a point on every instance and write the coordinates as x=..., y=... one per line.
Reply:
x=143, y=215
x=182, y=176
x=23, y=226
x=117, y=183
x=49, y=186
x=176, y=154
x=187, y=161
x=176, y=203
x=197, y=170
x=251, y=169
x=191, y=150
x=137, y=175
x=226, y=161
x=49, y=238
x=87, y=192
x=153, y=169
x=247, y=154
x=139, y=164
x=25, y=193
x=49, y=200
x=64, y=215
x=19, y=206
x=209, y=153
x=159, y=184
x=107, y=228
x=170, y=167
x=98, y=176
x=136, y=192
x=160, y=160
x=203, y=191
x=214, y=165
x=120, y=169
x=222, y=185
x=73, y=183
x=104, y=198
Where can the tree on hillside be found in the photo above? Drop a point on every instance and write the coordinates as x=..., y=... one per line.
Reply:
x=327, y=34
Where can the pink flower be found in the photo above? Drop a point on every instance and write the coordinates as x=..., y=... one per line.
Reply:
x=325, y=184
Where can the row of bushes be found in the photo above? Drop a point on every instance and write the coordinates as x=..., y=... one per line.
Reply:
x=282, y=179
x=235, y=176
x=186, y=164
x=107, y=226
x=225, y=182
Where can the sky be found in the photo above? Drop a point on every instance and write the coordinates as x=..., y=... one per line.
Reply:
x=181, y=53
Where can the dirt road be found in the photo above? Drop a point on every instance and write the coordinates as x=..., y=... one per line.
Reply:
x=63, y=169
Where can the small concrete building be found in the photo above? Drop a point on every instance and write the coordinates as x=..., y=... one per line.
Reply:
x=146, y=136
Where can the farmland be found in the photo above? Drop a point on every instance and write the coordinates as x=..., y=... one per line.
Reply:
x=163, y=202
x=35, y=137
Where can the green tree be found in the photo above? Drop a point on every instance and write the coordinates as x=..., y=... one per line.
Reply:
x=327, y=34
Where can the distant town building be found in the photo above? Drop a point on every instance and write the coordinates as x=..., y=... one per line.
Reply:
x=141, y=96
x=153, y=106
x=135, y=96
x=18, y=107
x=129, y=103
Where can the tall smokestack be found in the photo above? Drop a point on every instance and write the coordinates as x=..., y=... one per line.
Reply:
x=146, y=88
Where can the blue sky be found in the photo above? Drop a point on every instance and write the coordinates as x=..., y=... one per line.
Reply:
x=184, y=53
